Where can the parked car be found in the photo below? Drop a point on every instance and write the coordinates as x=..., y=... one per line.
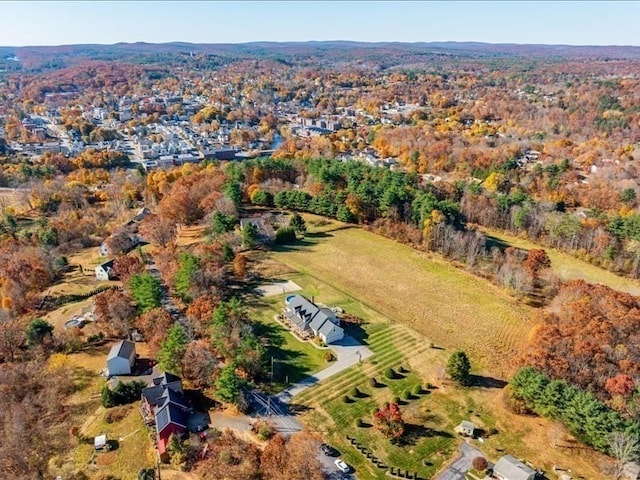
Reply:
x=328, y=450
x=343, y=467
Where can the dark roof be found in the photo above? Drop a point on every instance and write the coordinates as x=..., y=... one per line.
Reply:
x=296, y=320
x=169, y=414
x=327, y=326
x=166, y=378
x=106, y=265
x=153, y=394
x=170, y=396
x=319, y=319
x=122, y=349
x=302, y=308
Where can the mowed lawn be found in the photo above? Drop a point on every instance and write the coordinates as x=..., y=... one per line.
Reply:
x=568, y=267
x=449, y=306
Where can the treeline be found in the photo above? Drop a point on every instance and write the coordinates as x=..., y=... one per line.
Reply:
x=400, y=206
x=590, y=339
x=587, y=418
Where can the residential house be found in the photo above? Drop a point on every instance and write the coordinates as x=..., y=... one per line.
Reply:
x=121, y=359
x=266, y=233
x=508, y=468
x=306, y=317
x=104, y=271
x=163, y=404
x=118, y=243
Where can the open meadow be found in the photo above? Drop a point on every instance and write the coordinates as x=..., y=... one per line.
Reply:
x=412, y=327
x=566, y=266
x=451, y=307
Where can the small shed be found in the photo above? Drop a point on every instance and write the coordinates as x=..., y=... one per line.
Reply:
x=466, y=428
x=121, y=359
x=100, y=442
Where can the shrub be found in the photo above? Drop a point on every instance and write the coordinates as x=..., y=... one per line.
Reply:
x=390, y=374
x=329, y=356
x=417, y=390
x=264, y=430
x=480, y=463
x=359, y=423
x=395, y=400
x=346, y=399
x=355, y=392
x=285, y=236
x=373, y=382
x=429, y=386
x=115, y=414
x=122, y=394
x=406, y=395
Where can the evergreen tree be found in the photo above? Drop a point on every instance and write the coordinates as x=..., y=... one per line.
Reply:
x=189, y=265
x=250, y=235
x=146, y=291
x=39, y=331
x=298, y=223
x=228, y=385
x=458, y=367
x=172, y=349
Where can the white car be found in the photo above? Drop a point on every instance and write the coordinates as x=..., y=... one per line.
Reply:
x=343, y=467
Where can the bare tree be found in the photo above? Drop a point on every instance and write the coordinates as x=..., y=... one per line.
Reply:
x=624, y=448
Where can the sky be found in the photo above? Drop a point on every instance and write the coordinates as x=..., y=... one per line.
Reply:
x=546, y=22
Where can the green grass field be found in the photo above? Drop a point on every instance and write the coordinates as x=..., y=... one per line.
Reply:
x=292, y=359
x=568, y=267
x=449, y=306
x=429, y=436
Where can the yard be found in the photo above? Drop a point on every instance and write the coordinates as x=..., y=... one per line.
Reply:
x=344, y=267
x=448, y=305
x=132, y=445
x=292, y=360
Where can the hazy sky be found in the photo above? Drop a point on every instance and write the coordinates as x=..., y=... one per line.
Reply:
x=551, y=22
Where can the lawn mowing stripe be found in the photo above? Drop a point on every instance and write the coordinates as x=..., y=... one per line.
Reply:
x=392, y=347
x=382, y=361
x=334, y=390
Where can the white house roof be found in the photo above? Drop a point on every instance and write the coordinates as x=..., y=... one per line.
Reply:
x=100, y=441
x=122, y=349
x=512, y=469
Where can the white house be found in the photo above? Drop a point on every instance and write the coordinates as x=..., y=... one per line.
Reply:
x=307, y=317
x=121, y=359
x=508, y=468
x=104, y=271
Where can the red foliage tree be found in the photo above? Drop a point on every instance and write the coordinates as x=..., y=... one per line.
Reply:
x=388, y=420
x=620, y=385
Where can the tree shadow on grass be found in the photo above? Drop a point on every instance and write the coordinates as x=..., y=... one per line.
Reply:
x=486, y=382
x=413, y=433
x=287, y=364
x=356, y=331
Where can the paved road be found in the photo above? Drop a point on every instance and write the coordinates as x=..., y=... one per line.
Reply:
x=348, y=352
x=458, y=469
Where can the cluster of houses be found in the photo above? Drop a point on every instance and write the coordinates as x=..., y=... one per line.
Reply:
x=307, y=319
x=120, y=242
x=163, y=403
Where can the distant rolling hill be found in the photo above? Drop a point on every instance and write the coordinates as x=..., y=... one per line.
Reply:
x=387, y=54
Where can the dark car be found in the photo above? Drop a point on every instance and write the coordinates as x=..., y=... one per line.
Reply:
x=328, y=450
